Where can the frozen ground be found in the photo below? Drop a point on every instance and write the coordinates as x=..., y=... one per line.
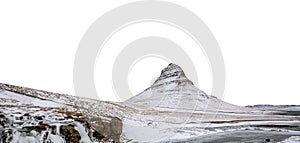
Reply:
x=248, y=136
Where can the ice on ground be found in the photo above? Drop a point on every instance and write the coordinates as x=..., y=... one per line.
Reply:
x=292, y=139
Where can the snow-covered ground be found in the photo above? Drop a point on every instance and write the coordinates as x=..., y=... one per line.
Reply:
x=171, y=110
x=144, y=124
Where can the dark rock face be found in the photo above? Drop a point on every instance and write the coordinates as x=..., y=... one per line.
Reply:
x=36, y=116
x=69, y=133
x=4, y=122
x=6, y=136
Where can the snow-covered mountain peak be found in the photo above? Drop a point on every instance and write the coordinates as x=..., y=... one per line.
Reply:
x=172, y=74
x=173, y=90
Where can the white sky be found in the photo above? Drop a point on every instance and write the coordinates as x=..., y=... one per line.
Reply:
x=259, y=41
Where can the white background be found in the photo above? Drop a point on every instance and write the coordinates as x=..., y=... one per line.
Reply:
x=260, y=41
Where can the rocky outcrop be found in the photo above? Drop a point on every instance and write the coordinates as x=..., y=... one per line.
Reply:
x=36, y=116
x=112, y=129
x=57, y=128
x=69, y=133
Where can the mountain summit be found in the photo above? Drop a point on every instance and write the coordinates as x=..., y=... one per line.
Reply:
x=172, y=74
x=173, y=90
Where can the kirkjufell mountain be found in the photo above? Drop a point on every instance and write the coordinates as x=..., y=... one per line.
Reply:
x=171, y=110
x=173, y=90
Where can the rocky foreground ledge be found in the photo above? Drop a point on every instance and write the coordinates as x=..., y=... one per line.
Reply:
x=32, y=116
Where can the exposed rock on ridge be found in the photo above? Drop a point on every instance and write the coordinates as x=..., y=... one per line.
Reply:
x=172, y=74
